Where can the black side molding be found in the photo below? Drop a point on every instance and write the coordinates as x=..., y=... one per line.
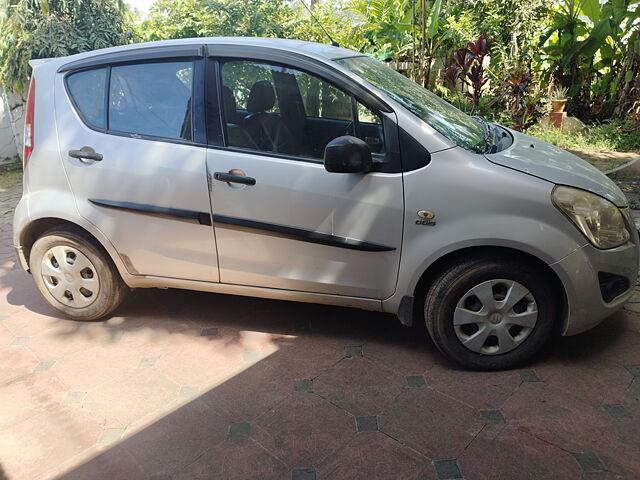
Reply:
x=223, y=221
x=301, y=234
x=203, y=218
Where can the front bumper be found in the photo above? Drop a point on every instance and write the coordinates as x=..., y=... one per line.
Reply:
x=579, y=275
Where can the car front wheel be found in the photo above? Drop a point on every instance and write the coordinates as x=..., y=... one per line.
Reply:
x=490, y=314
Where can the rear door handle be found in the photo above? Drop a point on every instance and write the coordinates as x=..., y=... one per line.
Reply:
x=234, y=178
x=86, y=153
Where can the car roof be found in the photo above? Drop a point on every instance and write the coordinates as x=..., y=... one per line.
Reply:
x=312, y=49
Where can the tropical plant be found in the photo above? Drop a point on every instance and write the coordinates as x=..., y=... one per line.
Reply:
x=51, y=28
x=559, y=93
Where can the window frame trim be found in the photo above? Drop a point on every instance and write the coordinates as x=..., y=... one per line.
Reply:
x=389, y=158
x=197, y=95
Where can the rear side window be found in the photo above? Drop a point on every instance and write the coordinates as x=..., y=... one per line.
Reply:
x=87, y=89
x=152, y=99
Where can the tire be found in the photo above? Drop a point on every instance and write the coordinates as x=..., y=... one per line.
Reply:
x=457, y=295
x=84, y=271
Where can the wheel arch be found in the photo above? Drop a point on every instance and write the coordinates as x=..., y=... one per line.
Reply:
x=432, y=272
x=35, y=229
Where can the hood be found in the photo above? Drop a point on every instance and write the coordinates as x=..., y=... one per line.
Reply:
x=541, y=159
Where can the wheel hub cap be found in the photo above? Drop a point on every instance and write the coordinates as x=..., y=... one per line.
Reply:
x=495, y=316
x=70, y=277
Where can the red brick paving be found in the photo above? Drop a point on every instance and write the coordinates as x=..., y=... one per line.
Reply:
x=145, y=395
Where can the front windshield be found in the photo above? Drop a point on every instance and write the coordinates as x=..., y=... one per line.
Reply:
x=441, y=115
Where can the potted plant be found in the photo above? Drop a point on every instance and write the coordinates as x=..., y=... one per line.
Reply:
x=558, y=99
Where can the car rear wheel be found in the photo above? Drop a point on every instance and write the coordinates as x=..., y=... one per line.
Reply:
x=75, y=276
x=490, y=314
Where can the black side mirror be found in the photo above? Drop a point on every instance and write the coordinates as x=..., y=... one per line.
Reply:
x=347, y=154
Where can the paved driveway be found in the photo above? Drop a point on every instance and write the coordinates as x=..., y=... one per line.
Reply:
x=187, y=385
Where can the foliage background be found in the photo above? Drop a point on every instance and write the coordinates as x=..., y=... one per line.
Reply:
x=590, y=47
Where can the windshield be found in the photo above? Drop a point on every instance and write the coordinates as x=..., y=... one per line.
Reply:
x=441, y=115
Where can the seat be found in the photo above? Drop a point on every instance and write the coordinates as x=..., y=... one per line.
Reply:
x=263, y=128
x=236, y=136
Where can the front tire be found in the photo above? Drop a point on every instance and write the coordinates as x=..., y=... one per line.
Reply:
x=75, y=276
x=490, y=313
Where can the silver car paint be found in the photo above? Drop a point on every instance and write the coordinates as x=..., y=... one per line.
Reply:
x=503, y=201
x=533, y=156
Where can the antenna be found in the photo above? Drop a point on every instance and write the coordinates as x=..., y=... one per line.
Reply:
x=333, y=42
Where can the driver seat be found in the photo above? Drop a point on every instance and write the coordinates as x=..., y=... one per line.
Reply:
x=263, y=127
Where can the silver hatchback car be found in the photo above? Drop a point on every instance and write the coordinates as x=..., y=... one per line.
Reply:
x=306, y=172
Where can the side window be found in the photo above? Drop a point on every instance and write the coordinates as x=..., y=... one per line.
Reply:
x=274, y=108
x=152, y=99
x=371, y=130
x=87, y=91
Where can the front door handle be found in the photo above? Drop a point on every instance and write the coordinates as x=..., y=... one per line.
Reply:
x=86, y=153
x=234, y=178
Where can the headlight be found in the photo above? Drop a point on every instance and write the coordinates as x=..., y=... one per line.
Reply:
x=599, y=219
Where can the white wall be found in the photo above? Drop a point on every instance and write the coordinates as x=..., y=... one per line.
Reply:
x=11, y=126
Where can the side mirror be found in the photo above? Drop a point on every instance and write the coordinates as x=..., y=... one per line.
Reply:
x=347, y=154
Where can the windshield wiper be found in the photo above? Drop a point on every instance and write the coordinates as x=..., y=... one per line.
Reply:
x=490, y=146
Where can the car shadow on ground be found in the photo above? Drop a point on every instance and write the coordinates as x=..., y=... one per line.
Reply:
x=282, y=386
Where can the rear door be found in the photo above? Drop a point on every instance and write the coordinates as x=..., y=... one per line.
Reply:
x=147, y=190
x=291, y=224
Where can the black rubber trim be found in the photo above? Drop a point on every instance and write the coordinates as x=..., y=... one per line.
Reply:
x=203, y=218
x=166, y=52
x=302, y=234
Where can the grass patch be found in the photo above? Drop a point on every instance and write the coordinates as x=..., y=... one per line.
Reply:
x=617, y=135
x=10, y=179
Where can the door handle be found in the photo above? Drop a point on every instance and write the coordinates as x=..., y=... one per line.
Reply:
x=234, y=178
x=86, y=153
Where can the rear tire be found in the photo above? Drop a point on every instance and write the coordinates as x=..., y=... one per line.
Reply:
x=490, y=313
x=75, y=275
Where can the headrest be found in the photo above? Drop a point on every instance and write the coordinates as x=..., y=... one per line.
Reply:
x=229, y=105
x=261, y=97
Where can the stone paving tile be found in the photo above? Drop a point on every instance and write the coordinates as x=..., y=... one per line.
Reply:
x=353, y=351
x=189, y=392
x=20, y=340
x=308, y=473
x=125, y=399
x=114, y=463
x=431, y=423
x=616, y=411
x=28, y=396
x=235, y=459
x=415, y=381
x=304, y=385
x=589, y=461
x=359, y=386
x=110, y=435
x=248, y=395
x=515, y=454
x=34, y=447
x=375, y=455
x=557, y=417
x=447, y=469
x=633, y=370
x=493, y=417
x=74, y=397
x=528, y=376
x=479, y=389
x=239, y=430
x=43, y=366
x=367, y=423
x=16, y=362
x=304, y=429
x=177, y=439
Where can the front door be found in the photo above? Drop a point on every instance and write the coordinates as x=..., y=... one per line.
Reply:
x=280, y=219
x=147, y=191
